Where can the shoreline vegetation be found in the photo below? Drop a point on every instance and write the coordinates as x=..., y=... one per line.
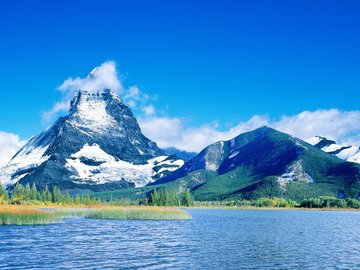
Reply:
x=321, y=202
x=28, y=206
x=53, y=214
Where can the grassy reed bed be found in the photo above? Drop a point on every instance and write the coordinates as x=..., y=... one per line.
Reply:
x=33, y=215
x=26, y=215
x=138, y=213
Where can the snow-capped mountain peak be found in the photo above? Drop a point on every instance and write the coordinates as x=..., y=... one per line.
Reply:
x=89, y=110
x=345, y=152
x=99, y=143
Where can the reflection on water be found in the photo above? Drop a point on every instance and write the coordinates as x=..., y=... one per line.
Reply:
x=213, y=239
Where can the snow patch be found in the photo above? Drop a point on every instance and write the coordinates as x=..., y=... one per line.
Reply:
x=91, y=113
x=170, y=165
x=349, y=153
x=101, y=168
x=355, y=157
x=331, y=148
x=28, y=158
x=314, y=140
x=234, y=154
x=93, y=152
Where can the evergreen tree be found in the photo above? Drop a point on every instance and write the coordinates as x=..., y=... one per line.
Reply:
x=87, y=199
x=19, y=192
x=144, y=201
x=3, y=194
x=174, y=198
x=27, y=192
x=34, y=195
x=186, y=199
x=163, y=196
x=46, y=195
x=154, y=198
x=77, y=199
x=56, y=195
x=67, y=198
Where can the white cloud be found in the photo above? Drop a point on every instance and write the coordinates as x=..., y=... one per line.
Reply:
x=100, y=78
x=138, y=100
x=341, y=126
x=149, y=110
x=174, y=132
x=58, y=106
x=133, y=93
x=9, y=145
x=332, y=124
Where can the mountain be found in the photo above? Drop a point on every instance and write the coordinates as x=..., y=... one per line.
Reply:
x=184, y=155
x=264, y=163
x=97, y=146
x=345, y=152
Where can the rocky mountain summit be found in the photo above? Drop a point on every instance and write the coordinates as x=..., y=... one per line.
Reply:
x=98, y=145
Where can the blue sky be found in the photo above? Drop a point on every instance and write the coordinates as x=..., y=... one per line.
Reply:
x=211, y=64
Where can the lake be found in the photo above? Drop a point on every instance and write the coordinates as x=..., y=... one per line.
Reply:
x=212, y=239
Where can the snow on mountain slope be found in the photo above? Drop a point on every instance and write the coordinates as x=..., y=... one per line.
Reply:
x=30, y=156
x=94, y=166
x=24, y=160
x=348, y=153
x=91, y=114
x=99, y=143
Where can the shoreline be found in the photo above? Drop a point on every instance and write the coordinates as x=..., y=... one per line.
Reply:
x=54, y=207
x=270, y=208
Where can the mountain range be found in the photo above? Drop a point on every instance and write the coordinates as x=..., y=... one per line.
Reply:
x=99, y=146
x=265, y=163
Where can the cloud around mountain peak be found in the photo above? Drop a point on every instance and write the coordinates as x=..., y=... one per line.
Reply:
x=100, y=78
x=334, y=124
x=341, y=126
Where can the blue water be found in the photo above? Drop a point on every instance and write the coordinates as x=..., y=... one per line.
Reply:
x=212, y=239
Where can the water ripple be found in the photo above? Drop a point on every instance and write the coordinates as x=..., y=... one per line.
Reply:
x=213, y=239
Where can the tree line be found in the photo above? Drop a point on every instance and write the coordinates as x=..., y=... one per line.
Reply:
x=30, y=194
x=330, y=202
x=317, y=202
x=165, y=197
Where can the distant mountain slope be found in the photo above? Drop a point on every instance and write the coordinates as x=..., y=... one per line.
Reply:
x=98, y=145
x=345, y=152
x=179, y=153
x=264, y=162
